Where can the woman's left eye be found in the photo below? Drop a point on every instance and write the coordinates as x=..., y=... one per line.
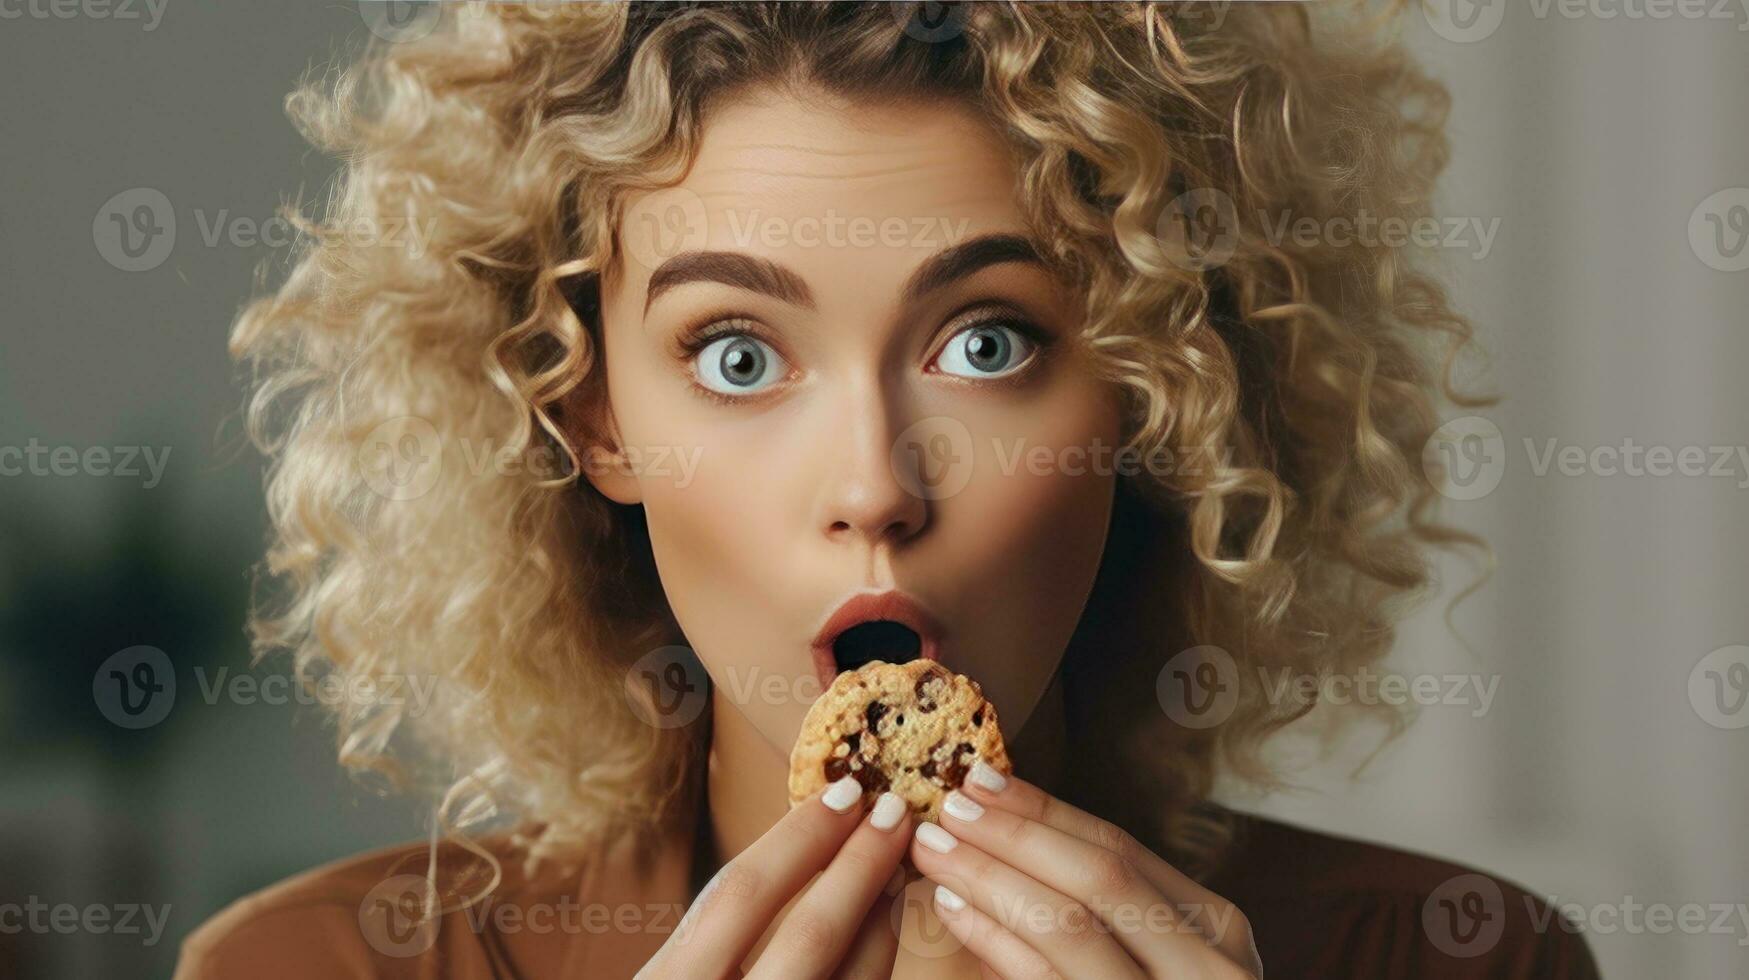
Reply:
x=738, y=364
x=987, y=350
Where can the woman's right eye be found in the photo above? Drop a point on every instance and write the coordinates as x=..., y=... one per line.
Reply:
x=738, y=364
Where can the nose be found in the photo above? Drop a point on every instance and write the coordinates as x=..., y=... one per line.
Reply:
x=861, y=496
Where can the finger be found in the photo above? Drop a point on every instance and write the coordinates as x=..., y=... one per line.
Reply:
x=819, y=928
x=875, y=947
x=1000, y=952
x=1061, y=929
x=1219, y=920
x=1162, y=937
x=732, y=912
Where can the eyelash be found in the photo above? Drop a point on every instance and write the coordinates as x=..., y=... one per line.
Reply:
x=708, y=329
x=1041, y=338
x=704, y=332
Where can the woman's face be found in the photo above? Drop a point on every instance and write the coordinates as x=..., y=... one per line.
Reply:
x=833, y=374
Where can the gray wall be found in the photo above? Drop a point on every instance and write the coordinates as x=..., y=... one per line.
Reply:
x=1593, y=776
x=1599, y=774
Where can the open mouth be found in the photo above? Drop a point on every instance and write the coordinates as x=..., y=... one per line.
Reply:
x=890, y=626
x=880, y=639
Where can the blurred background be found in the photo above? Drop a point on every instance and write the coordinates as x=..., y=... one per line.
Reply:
x=1591, y=735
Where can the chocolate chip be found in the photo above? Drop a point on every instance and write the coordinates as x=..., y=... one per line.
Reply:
x=959, y=765
x=928, y=771
x=874, y=712
x=926, y=689
x=872, y=779
x=978, y=718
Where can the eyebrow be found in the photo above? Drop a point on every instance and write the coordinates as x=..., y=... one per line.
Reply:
x=762, y=275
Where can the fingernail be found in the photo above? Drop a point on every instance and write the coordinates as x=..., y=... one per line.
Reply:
x=962, y=806
x=934, y=838
x=887, y=811
x=842, y=795
x=948, y=900
x=985, y=776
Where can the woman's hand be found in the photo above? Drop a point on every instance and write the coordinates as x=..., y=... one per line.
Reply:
x=838, y=927
x=1037, y=888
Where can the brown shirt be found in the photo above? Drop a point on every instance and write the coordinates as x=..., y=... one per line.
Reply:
x=1320, y=906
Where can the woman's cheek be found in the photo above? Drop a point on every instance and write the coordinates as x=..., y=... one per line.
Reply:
x=1030, y=532
x=711, y=529
x=723, y=545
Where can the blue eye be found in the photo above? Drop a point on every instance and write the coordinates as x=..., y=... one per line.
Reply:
x=738, y=365
x=987, y=350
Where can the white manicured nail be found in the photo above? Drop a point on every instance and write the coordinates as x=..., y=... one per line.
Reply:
x=985, y=776
x=948, y=900
x=887, y=811
x=842, y=795
x=962, y=806
x=934, y=838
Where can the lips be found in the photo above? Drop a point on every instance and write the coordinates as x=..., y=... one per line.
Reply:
x=891, y=607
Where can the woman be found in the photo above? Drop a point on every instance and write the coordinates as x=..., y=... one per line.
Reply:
x=723, y=331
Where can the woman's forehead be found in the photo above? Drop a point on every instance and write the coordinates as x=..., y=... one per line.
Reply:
x=838, y=186
x=862, y=143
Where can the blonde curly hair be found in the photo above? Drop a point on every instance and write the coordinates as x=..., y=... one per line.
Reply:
x=511, y=135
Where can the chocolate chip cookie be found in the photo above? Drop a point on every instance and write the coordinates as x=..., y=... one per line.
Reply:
x=914, y=728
